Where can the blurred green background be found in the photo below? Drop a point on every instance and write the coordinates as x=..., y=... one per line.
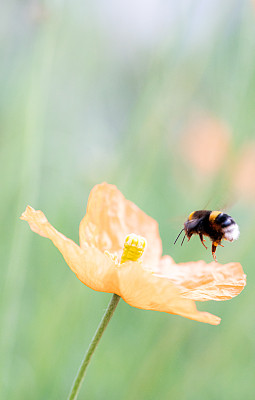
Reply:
x=142, y=94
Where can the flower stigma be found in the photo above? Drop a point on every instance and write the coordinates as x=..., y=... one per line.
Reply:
x=134, y=247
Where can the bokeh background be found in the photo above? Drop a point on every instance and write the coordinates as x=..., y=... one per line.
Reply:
x=158, y=98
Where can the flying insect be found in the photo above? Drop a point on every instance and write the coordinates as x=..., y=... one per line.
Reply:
x=214, y=224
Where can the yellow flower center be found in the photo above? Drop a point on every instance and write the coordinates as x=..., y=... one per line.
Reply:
x=134, y=247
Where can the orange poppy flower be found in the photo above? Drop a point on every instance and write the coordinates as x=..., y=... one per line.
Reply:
x=155, y=283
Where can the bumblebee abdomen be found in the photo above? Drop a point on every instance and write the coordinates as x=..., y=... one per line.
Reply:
x=225, y=224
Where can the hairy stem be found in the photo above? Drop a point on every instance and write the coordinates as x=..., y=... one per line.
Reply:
x=98, y=334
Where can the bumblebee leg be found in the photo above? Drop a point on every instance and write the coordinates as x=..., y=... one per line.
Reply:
x=202, y=240
x=214, y=247
x=221, y=245
x=189, y=237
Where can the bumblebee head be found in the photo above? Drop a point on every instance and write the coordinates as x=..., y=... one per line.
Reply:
x=195, y=220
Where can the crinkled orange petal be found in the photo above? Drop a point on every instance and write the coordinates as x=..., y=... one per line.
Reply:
x=110, y=218
x=200, y=281
x=142, y=289
x=92, y=267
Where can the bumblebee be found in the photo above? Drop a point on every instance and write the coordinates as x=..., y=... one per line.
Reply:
x=214, y=224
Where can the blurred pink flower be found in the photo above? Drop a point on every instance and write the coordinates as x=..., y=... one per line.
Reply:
x=205, y=144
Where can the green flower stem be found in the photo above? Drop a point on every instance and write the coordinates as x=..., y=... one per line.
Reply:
x=99, y=332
